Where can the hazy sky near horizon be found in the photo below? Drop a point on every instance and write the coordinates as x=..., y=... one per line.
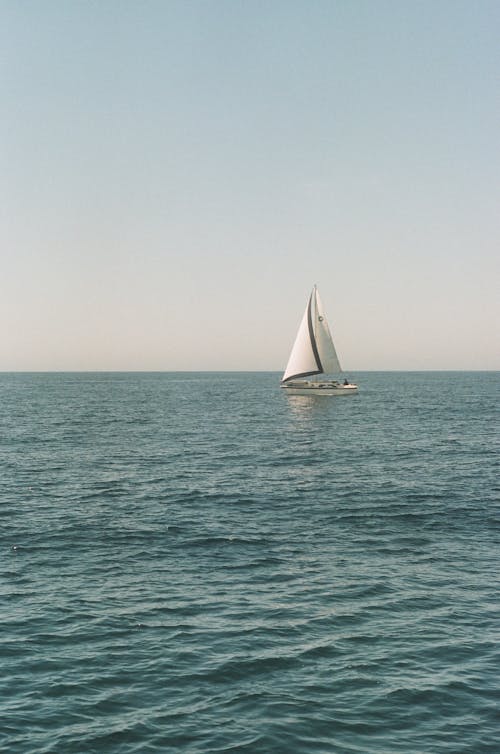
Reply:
x=175, y=176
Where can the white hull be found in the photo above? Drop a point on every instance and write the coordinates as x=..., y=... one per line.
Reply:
x=327, y=387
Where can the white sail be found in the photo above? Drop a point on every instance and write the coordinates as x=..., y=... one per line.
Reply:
x=326, y=349
x=313, y=351
x=302, y=360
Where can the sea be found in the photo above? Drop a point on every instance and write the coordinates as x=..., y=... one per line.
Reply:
x=199, y=562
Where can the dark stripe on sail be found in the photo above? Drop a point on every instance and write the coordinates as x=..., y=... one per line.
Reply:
x=312, y=336
x=302, y=374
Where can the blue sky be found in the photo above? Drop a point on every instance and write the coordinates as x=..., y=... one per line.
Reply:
x=175, y=176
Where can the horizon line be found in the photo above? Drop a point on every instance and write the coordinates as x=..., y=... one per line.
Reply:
x=226, y=371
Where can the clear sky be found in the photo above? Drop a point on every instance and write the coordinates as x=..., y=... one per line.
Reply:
x=175, y=176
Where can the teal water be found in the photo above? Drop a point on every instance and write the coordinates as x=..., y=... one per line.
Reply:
x=200, y=563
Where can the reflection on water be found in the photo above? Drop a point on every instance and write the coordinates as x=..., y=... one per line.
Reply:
x=307, y=407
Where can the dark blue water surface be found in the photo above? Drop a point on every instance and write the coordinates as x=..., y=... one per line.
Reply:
x=201, y=563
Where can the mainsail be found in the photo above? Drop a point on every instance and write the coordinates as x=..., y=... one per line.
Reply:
x=313, y=351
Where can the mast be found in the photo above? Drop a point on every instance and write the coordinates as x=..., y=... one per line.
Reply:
x=313, y=321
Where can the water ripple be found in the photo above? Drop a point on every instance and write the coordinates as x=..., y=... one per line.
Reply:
x=240, y=572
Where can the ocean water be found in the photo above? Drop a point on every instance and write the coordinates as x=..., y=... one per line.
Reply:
x=200, y=563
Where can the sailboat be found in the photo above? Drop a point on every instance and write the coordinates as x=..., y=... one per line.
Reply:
x=313, y=353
